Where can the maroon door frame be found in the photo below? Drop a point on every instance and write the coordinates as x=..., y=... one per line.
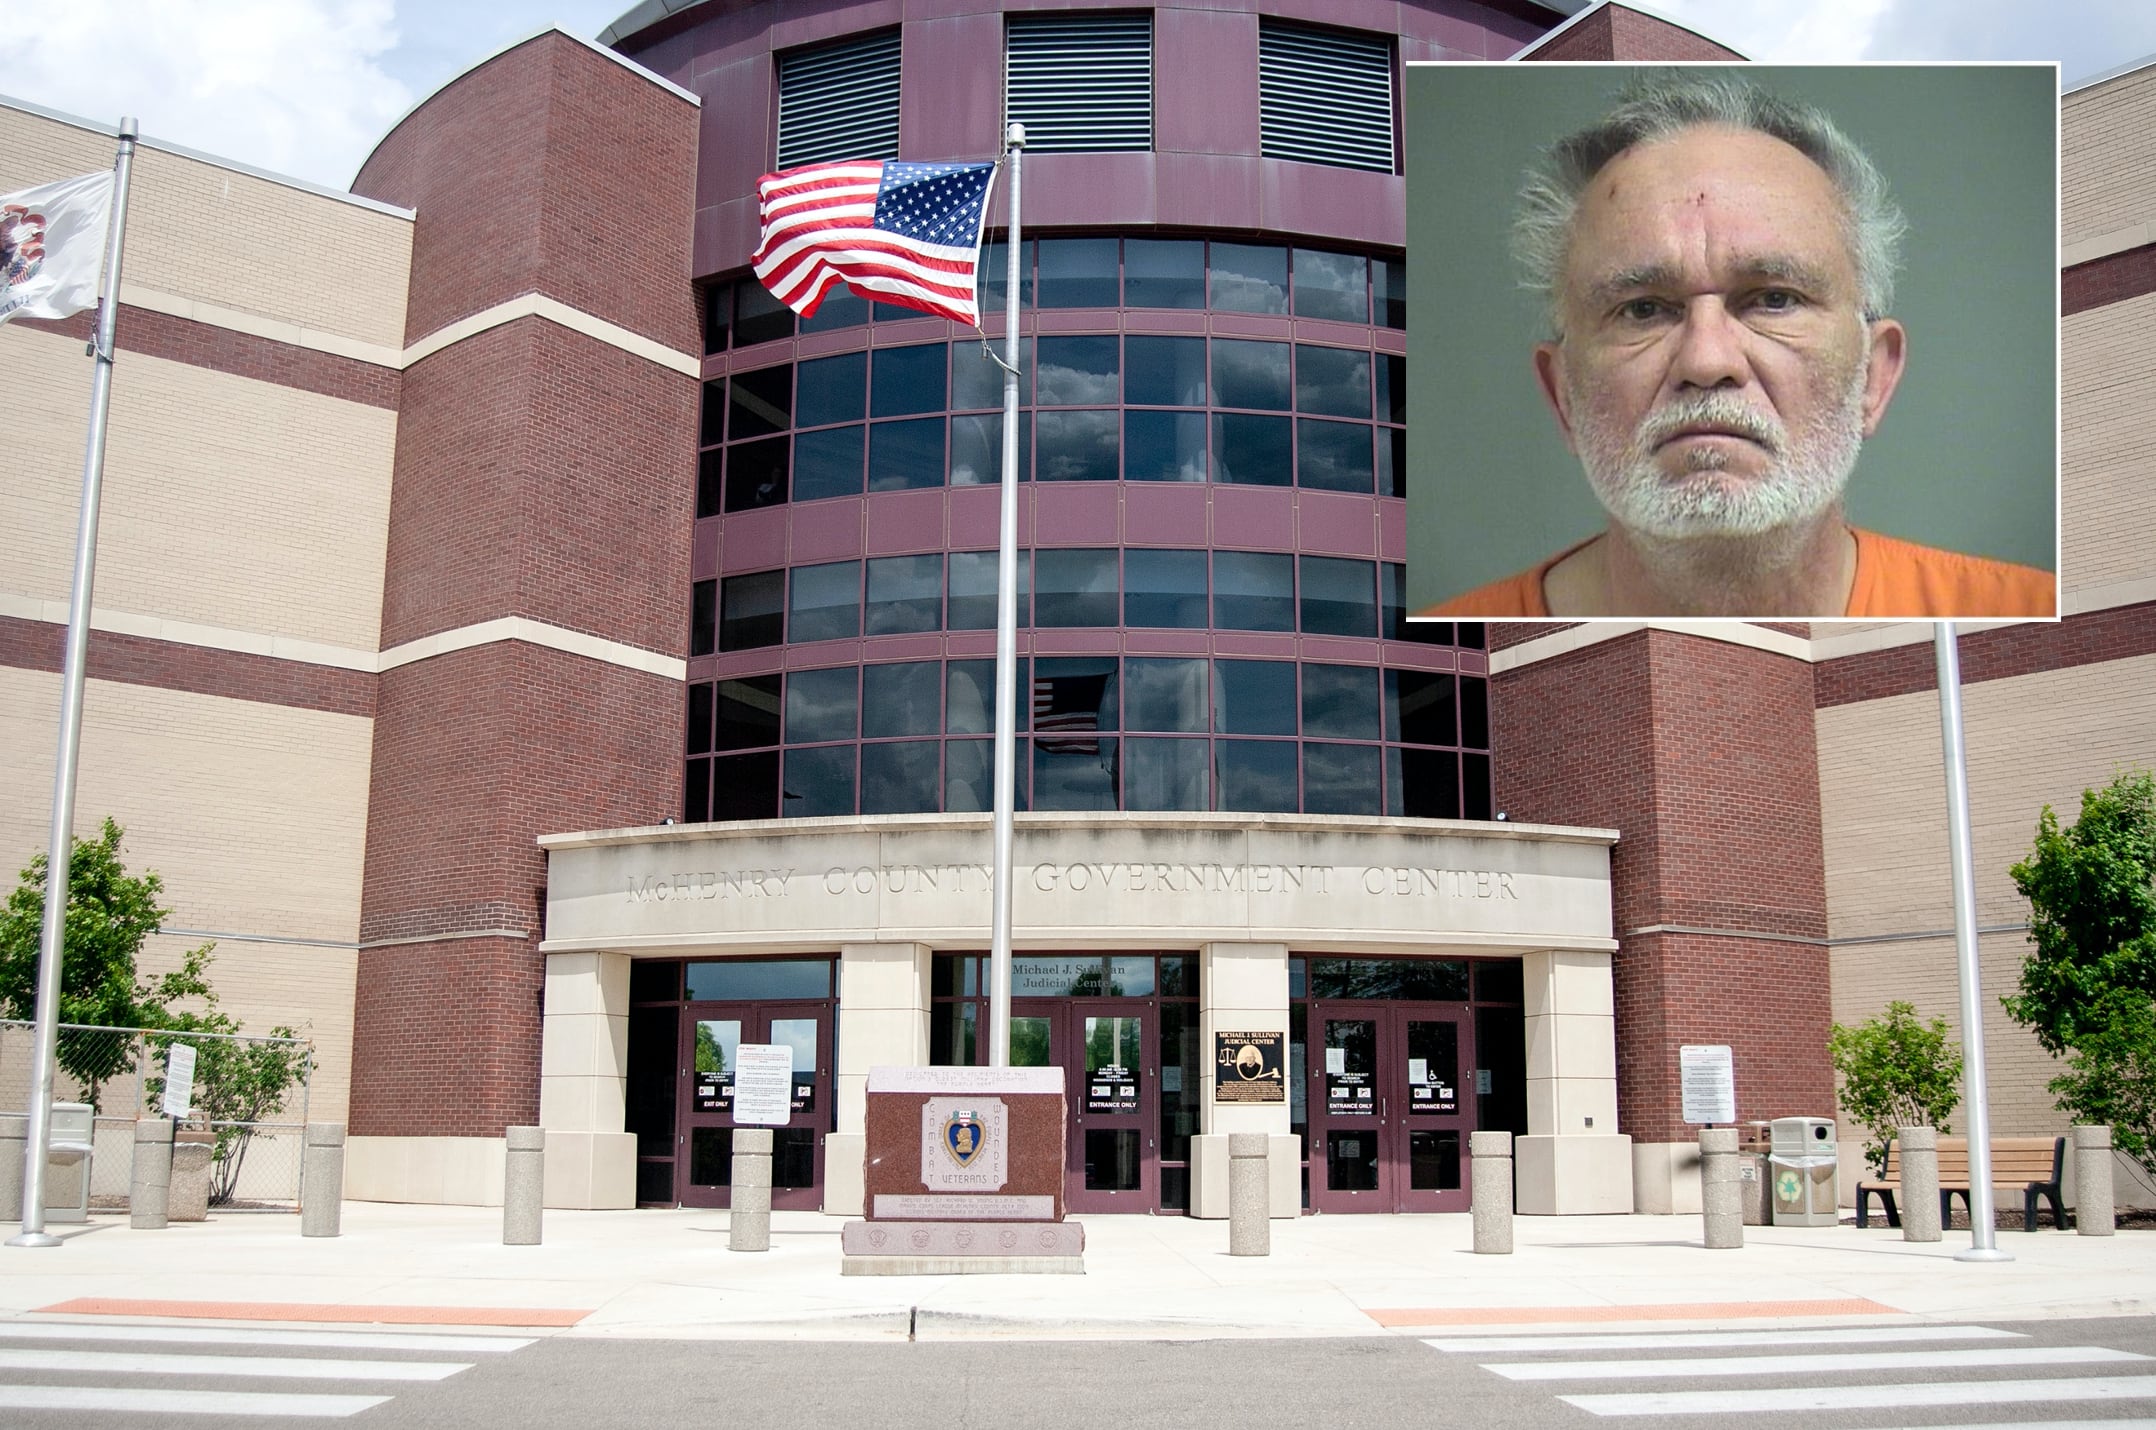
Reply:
x=1378, y=1102
x=812, y=1113
x=1098, y=1106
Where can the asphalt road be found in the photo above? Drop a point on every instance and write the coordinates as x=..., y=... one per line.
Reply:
x=1975, y=1374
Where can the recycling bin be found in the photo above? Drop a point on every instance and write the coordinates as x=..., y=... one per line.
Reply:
x=1803, y=1164
x=67, y=1162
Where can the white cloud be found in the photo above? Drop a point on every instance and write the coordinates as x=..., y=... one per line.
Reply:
x=294, y=86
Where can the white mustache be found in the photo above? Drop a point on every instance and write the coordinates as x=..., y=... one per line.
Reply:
x=1710, y=409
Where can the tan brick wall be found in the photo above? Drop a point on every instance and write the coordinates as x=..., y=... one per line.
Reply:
x=2032, y=740
x=2107, y=157
x=213, y=235
x=2109, y=441
x=227, y=502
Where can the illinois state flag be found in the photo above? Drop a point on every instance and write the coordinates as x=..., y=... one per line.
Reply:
x=903, y=233
x=52, y=246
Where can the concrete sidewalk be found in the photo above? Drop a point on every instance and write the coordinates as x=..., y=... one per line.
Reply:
x=669, y=1274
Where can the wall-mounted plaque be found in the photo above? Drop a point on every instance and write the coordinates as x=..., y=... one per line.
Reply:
x=1248, y=1067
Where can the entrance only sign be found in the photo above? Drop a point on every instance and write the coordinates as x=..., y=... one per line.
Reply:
x=1708, y=1075
x=763, y=1084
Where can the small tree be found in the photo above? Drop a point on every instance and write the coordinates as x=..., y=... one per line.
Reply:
x=1896, y=1072
x=109, y=914
x=2088, y=986
x=237, y=1085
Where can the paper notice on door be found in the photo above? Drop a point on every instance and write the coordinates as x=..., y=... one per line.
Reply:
x=1336, y=1060
x=1418, y=1071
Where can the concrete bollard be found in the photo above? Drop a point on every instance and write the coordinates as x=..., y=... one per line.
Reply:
x=1250, y=1212
x=149, y=1180
x=1919, y=1182
x=1489, y=1194
x=2095, y=1213
x=322, y=1170
x=748, y=1226
x=188, y=1196
x=14, y=1146
x=523, y=1186
x=1721, y=1188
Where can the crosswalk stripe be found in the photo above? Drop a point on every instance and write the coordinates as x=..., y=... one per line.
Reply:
x=182, y=1402
x=1784, y=1400
x=1694, y=1367
x=1709, y=1340
x=269, y=1367
x=235, y=1336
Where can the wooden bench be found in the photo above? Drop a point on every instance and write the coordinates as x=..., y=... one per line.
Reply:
x=2032, y=1165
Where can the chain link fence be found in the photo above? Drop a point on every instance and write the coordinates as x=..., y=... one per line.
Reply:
x=250, y=1092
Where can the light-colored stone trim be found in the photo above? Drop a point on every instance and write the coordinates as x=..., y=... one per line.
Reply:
x=2103, y=245
x=1921, y=935
x=445, y=937
x=538, y=633
x=227, y=936
x=255, y=325
x=538, y=305
x=1725, y=933
x=1579, y=637
x=2110, y=597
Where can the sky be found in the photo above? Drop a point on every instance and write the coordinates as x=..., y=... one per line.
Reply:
x=307, y=87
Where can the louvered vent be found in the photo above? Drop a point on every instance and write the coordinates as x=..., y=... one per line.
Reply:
x=839, y=102
x=1325, y=97
x=1080, y=82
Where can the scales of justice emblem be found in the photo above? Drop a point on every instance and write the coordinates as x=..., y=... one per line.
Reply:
x=964, y=1136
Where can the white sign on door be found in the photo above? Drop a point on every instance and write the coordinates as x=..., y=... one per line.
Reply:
x=179, y=1080
x=1709, y=1078
x=763, y=1084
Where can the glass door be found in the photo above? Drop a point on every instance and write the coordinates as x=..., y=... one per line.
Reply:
x=1387, y=1118
x=1434, y=1047
x=1107, y=1050
x=712, y=1034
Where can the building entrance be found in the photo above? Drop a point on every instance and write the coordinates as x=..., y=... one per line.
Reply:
x=1388, y=1112
x=711, y=1036
x=1106, y=1049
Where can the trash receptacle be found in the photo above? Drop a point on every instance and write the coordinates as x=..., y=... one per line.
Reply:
x=1803, y=1163
x=1754, y=1147
x=73, y=1131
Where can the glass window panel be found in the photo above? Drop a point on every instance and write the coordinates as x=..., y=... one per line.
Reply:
x=826, y=602
x=1392, y=461
x=1424, y=979
x=1254, y=697
x=973, y=590
x=718, y=316
x=1339, y=598
x=1164, y=372
x=841, y=308
x=953, y=1035
x=1433, y=1160
x=1168, y=774
x=759, y=317
x=711, y=1156
x=1247, y=373
x=745, y=786
x=1074, y=586
x=1393, y=623
x=709, y=466
x=1419, y=707
x=906, y=380
x=1178, y=977
x=1474, y=786
x=977, y=380
x=1074, y=774
x=823, y=704
x=1471, y=635
x=703, y=617
x=1164, y=588
x=833, y=389
x=799, y=1035
x=1131, y=978
x=1497, y=980
x=1388, y=283
x=1256, y=776
x=1163, y=273
x=1078, y=273
x=969, y=775
x=1332, y=285
x=906, y=455
x=1252, y=451
x=1391, y=387
x=1250, y=278
x=828, y=463
x=711, y=424
x=658, y=980
x=1164, y=446
x=902, y=777
x=756, y=474
x=1422, y=784
x=748, y=712
x=759, y=403
x=1474, y=712
x=1340, y=702
x=1074, y=698
x=748, y=980
x=819, y=781
x=696, y=793
x=1076, y=372
x=905, y=698
x=977, y=449
x=751, y=610
x=905, y=593
x=1253, y=591
x=699, y=722
x=1166, y=695
x=1079, y=446
x=995, y=276
x=969, y=697
x=1332, y=382
x=1342, y=779
x=1332, y=456
x=1029, y=1042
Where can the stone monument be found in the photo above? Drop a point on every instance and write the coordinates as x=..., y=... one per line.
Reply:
x=964, y=1174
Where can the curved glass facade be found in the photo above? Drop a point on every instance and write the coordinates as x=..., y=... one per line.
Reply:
x=1184, y=648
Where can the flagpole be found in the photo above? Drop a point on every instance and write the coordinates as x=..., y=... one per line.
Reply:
x=59, y=856
x=999, y=956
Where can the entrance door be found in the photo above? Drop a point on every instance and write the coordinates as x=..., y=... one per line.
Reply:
x=710, y=1035
x=1389, y=1114
x=1106, y=1048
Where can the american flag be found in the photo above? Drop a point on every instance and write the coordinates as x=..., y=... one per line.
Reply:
x=903, y=233
x=1066, y=713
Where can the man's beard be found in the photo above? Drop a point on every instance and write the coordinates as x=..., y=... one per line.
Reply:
x=1804, y=476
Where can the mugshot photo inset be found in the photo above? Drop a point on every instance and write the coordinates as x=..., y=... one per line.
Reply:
x=1732, y=341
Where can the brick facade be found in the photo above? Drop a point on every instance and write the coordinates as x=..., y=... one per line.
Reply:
x=1615, y=33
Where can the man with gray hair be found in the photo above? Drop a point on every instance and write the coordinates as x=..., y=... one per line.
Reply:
x=1718, y=265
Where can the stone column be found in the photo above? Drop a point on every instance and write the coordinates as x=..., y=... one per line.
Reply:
x=1919, y=1182
x=1572, y=1160
x=322, y=1213
x=1721, y=1196
x=1242, y=987
x=1250, y=1227
x=523, y=1186
x=583, y=1081
x=748, y=1224
x=149, y=1180
x=2095, y=1214
x=883, y=1011
x=1490, y=1191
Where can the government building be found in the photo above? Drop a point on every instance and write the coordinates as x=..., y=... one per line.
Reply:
x=544, y=664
